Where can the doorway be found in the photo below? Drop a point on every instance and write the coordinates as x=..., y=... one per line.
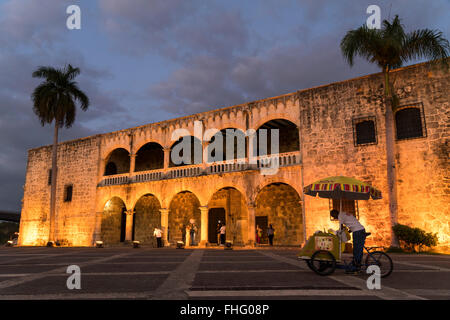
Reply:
x=214, y=215
x=263, y=223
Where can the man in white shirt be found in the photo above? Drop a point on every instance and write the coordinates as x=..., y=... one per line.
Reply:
x=359, y=235
x=158, y=234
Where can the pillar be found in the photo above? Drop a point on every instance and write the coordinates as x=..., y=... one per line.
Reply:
x=132, y=162
x=204, y=226
x=251, y=225
x=166, y=158
x=129, y=225
x=165, y=225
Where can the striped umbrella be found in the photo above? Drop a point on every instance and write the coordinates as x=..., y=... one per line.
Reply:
x=342, y=188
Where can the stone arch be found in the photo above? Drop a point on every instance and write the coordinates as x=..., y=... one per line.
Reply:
x=273, y=116
x=113, y=225
x=239, y=142
x=149, y=156
x=183, y=207
x=107, y=152
x=143, y=142
x=146, y=218
x=196, y=145
x=288, y=136
x=279, y=204
x=120, y=157
x=229, y=205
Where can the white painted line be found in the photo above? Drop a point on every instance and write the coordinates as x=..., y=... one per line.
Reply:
x=354, y=282
x=274, y=293
x=180, y=279
x=78, y=296
x=429, y=292
x=251, y=271
x=423, y=266
x=31, y=277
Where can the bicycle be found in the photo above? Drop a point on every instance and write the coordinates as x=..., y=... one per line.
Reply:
x=324, y=263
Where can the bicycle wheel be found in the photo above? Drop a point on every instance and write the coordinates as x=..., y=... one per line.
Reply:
x=382, y=260
x=322, y=262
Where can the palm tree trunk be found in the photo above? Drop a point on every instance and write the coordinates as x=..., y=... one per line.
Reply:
x=53, y=188
x=390, y=157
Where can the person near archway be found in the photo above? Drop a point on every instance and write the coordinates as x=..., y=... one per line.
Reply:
x=258, y=234
x=270, y=234
x=219, y=225
x=222, y=234
x=158, y=234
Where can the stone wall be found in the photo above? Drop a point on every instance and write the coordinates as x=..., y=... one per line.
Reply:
x=75, y=220
x=422, y=163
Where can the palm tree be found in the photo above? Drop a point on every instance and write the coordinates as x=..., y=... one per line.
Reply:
x=390, y=47
x=54, y=100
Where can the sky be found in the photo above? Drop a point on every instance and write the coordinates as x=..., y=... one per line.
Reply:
x=144, y=61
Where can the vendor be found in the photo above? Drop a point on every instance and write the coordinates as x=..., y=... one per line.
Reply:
x=359, y=235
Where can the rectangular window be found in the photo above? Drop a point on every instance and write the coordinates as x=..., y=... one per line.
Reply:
x=68, y=193
x=410, y=122
x=364, y=131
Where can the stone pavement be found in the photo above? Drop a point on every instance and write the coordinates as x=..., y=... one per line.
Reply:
x=172, y=274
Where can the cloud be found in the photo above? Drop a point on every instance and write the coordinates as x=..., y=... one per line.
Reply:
x=29, y=22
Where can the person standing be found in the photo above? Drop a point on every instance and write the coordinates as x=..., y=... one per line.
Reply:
x=219, y=225
x=193, y=233
x=270, y=234
x=222, y=234
x=258, y=234
x=158, y=234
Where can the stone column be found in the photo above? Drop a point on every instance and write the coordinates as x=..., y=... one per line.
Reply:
x=204, y=226
x=165, y=225
x=166, y=158
x=129, y=225
x=251, y=225
x=132, y=162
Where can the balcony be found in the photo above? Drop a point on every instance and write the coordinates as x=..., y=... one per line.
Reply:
x=236, y=165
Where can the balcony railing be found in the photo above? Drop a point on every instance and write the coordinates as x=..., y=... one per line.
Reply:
x=273, y=161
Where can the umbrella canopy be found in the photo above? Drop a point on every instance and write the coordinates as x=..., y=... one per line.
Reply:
x=342, y=188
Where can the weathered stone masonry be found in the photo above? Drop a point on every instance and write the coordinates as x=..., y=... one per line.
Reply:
x=133, y=202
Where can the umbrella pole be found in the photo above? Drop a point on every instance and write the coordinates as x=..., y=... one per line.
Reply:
x=340, y=229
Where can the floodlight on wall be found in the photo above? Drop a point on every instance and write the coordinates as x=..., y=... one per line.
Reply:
x=228, y=245
x=51, y=244
x=180, y=245
x=136, y=244
x=99, y=244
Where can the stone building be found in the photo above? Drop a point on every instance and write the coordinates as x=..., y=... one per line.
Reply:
x=118, y=186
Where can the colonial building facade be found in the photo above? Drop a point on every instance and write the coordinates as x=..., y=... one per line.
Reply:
x=119, y=186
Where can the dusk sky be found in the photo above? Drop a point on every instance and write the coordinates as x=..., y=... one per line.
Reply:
x=144, y=61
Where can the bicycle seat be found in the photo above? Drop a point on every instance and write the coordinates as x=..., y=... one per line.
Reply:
x=368, y=234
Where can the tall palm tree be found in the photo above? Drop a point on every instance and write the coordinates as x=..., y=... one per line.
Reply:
x=390, y=47
x=54, y=101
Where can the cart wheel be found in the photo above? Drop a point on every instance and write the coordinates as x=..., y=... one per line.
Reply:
x=322, y=262
x=308, y=262
x=382, y=260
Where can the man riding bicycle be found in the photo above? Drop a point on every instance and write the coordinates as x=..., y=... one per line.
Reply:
x=359, y=236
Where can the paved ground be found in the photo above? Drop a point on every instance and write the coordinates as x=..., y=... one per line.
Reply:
x=144, y=273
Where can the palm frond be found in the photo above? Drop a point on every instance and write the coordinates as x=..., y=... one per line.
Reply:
x=360, y=42
x=425, y=43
